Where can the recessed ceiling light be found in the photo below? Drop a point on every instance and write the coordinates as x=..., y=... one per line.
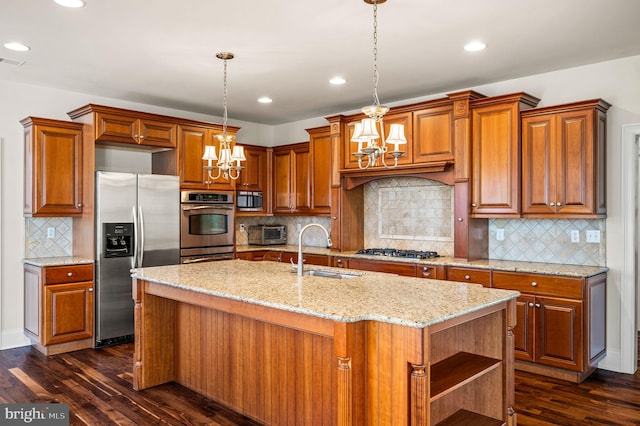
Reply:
x=474, y=46
x=70, y=3
x=337, y=81
x=265, y=100
x=18, y=47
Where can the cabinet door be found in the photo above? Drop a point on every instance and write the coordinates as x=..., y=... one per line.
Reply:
x=192, y=142
x=116, y=128
x=523, y=332
x=575, y=163
x=254, y=176
x=496, y=161
x=32, y=302
x=282, y=181
x=68, y=312
x=320, y=151
x=558, y=332
x=53, y=170
x=301, y=191
x=539, y=165
x=157, y=133
x=433, y=135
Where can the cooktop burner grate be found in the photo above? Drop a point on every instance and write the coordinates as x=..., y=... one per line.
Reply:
x=411, y=254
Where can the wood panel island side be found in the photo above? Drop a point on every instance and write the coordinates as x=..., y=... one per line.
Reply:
x=375, y=349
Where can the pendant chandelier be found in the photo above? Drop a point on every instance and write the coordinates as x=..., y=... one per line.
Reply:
x=366, y=133
x=228, y=164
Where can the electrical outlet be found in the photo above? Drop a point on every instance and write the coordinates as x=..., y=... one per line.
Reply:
x=299, y=227
x=242, y=228
x=593, y=236
x=575, y=236
x=500, y=234
x=51, y=232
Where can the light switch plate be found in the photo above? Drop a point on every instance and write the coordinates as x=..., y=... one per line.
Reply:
x=51, y=232
x=500, y=234
x=593, y=236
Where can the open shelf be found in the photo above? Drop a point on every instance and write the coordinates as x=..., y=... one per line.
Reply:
x=467, y=418
x=457, y=370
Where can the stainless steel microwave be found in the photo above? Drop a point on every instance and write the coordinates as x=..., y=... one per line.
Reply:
x=264, y=235
x=249, y=201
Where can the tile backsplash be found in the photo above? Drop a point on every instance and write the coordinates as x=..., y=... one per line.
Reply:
x=38, y=245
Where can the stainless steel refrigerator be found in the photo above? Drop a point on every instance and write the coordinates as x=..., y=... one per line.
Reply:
x=137, y=224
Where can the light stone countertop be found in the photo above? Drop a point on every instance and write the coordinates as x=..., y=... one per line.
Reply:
x=413, y=302
x=579, y=271
x=56, y=261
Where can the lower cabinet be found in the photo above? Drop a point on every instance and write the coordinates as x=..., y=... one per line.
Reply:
x=59, y=307
x=469, y=275
x=560, y=329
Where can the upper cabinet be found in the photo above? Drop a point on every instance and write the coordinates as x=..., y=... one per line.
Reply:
x=254, y=175
x=433, y=134
x=320, y=175
x=563, y=160
x=291, y=183
x=495, y=155
x=53, y=167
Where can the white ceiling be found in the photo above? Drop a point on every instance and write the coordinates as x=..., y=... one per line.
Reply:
x=162, y=52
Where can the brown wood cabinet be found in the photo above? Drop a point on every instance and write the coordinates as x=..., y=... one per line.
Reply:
x=432, y=272
x=495, y=155
x=254, y=175
x=404, y=269
x=469, y=275
x=126, y=128
x=291, y=183
x=59, y=307
x=563, y=160
x=192, y=140
x=52, y=167
x=561, y=323
x=307, y=258
x=433, y=134
x=320, y=175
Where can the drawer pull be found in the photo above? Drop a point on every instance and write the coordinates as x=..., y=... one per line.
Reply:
x=534, y=284
x=69, y=274
x=467, y=277
x=426, y=272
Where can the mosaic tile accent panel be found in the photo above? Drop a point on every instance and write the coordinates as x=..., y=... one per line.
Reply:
x=313, y=237
x=38, y=245
x=547, y=240
x=409, y=213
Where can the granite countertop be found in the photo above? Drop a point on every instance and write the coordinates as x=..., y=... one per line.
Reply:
x=496, y=265
x=56, y=261
x=414, y=302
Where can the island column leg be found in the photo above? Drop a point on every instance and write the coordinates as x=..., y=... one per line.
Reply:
x=417, y=340
x=346, y=353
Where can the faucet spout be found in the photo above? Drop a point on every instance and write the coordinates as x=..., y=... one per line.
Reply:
x=329, y=243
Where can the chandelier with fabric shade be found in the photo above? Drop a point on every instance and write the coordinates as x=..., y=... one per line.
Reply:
x=228, y=164
x=372, y=144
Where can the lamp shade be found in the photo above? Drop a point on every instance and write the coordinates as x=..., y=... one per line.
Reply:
x=225, y=155
x=210, y=153
x=396, y=135
x=369, y=130
x=238, y=153
x=357, y=133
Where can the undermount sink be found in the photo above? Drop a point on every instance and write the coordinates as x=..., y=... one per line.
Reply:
x=329, y=274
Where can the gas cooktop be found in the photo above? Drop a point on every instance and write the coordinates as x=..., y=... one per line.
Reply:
x=410, y=254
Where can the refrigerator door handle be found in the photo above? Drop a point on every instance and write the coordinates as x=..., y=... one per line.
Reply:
x=141, y=253
x=134, y=258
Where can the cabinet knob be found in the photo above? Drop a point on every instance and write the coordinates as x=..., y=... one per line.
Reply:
x=474, y=205
x=534, y=284
x=90, y=290
x=552, y=204
x=558, y=204
x=537, y=305
x=334, y=218
x=426, y=272
x=69, y=274
x=79, y=204
x=141, y=136
x=530, y=305
x=460, y=219
x=467, y=277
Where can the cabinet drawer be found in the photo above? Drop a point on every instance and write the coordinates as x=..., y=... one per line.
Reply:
x=68, y=274
x=478, y=276
x=430, y=271
x=539, y=284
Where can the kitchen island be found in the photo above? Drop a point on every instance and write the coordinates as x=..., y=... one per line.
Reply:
x=371, y=349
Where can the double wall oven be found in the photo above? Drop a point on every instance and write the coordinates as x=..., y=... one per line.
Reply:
x=207, y=226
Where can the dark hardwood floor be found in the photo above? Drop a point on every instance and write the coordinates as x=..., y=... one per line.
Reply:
x=97, y=386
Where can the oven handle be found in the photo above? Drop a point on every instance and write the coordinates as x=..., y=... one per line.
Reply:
x=186, y=209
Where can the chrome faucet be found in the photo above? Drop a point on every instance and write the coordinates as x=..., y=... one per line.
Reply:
x=329, y=243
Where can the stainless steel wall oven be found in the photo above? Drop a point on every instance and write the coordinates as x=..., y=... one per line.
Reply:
x=207, y=227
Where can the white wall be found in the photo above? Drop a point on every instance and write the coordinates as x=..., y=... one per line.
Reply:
x=615, y=81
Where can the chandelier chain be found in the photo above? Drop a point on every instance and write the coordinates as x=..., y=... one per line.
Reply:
x=376, y=100
x=224, y=100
